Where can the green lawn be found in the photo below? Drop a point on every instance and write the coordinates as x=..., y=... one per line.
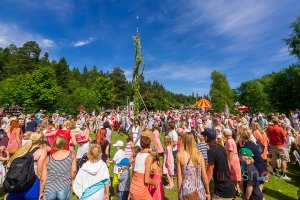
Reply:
x=276, y=188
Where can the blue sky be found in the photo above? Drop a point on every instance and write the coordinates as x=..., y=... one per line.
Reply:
x=182, y=40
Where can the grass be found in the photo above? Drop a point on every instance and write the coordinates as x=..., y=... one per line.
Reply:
x=276, y=188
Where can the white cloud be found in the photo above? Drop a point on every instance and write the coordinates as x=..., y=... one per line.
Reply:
x=281, y=55
x=13, y=34
x=83, y=42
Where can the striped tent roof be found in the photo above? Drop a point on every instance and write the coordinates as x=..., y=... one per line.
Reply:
x=203, y=103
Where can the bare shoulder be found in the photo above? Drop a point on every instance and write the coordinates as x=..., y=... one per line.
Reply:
x=149, y=159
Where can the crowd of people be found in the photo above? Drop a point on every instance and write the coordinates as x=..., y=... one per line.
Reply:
x=64, y=154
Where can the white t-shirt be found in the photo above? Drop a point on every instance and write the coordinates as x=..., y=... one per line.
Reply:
x=117, y=158
x=174, y=135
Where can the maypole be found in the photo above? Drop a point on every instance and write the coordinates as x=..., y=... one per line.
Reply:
x=137, y=74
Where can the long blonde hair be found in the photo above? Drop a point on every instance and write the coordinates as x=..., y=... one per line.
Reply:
x=189, y=145
x=35, y=138
x=256, y=126
x=148, y=133
x=67, y=124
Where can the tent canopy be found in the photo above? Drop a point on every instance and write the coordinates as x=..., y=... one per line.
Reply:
x=203, y=103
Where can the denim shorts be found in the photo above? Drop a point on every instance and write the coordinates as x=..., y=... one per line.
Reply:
x=123, y=195
x=58, y=195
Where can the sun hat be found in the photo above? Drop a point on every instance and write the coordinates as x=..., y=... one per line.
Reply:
x=124, y=162
x=77, y=131
x=246, y=152
x=119, y=143
x=211, y=134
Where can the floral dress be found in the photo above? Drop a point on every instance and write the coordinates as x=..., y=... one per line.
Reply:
x=191, y=181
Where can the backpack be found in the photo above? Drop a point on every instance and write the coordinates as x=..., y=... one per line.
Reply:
x=21, y=174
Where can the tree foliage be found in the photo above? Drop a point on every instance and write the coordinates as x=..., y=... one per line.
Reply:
x=35, y=82
x=293, y=41
x=220, y=92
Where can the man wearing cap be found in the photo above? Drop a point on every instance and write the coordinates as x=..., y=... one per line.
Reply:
x=116, y=159
x=218, y=168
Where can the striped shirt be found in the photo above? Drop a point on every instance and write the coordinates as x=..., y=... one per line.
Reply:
x=203, y=148
x=59, y=174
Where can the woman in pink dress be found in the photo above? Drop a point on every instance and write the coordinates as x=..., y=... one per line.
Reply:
x=156, y=175
x=14, y=137
x=232, y=154
x=160, y=149
x=168, y=167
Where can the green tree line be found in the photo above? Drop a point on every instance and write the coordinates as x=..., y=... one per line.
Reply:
x=34, y=82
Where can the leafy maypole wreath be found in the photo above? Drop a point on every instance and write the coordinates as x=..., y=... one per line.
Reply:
x=137, y=74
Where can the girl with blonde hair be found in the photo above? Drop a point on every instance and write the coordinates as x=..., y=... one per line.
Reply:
x=190, y=164
x=168, y=167
x=39, y=155
x=92, y=180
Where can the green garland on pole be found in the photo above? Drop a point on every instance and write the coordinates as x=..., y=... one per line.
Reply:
x=137, y=75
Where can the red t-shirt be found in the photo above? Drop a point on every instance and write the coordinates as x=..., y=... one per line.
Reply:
x=277, y=136
x=67, y=134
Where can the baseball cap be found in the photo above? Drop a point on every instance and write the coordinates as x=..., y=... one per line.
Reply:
x=211, y=134
x=119, y=143
x=124, y=162
x=246, y=152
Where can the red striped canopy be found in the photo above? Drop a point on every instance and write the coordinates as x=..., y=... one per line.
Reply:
x=203, y=103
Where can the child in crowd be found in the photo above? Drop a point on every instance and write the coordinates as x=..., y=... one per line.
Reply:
x=3, y=152
x=129, y=148
x=116, y=159
x=202, y=146
x=124, y=179
x=168, y=167
x=136, y=150
x=250, y=176
x=156, y=175
x=25, y=138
